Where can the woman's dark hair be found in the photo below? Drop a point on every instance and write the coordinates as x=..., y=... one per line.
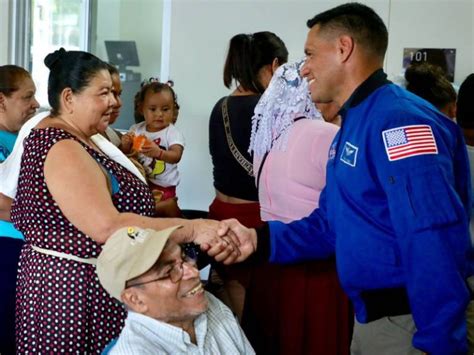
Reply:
x=70, y=69
x=465, y=103
x=155, y=86
x=247, y=54
x=430, y=82
x=11, y=77
x=112, y=69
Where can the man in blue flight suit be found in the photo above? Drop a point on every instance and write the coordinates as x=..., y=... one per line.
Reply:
x=396, y=205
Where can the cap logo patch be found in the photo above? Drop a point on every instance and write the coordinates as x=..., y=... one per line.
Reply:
x=136, y=236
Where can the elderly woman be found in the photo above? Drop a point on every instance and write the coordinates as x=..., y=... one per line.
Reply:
x=111, y=134
x=70, y=199
x=290, y=143
x=17, y=105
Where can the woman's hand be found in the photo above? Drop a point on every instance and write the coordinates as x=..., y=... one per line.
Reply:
x=245, y=238
x=127, y=142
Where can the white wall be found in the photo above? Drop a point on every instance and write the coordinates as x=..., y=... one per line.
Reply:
x=201, y=29
x=107, y=25
x=431, y=24
x=200, y=32
x=4, y=24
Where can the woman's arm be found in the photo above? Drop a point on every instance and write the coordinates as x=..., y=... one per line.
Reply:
x=79, y=187
x=5, y=207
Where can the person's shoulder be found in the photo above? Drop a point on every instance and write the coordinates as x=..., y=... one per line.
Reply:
x=173, y=129
x=173, y=135
x=132, y=339
x=397, y=107
x=308, y=132
x=218, y=105
x=133, y=345
x=49, y=136
x=133, y=349
x=245, y=101
x=318, y=125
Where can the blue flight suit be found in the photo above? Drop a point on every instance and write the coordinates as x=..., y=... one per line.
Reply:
x=395, y=212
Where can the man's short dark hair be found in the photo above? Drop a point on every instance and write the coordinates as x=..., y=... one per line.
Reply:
x=357, y=20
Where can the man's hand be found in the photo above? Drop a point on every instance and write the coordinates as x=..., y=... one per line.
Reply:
x=205, y=232
x=246, y=238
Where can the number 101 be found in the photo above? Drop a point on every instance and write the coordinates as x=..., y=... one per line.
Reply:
x=418, y=56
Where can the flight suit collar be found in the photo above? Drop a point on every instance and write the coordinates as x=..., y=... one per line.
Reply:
x=372, y=83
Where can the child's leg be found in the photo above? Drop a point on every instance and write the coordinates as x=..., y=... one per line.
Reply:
x=166, y=202
x=168, y=208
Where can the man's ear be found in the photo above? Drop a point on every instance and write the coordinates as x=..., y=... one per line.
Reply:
x=67, y=100
x=345, y=45
x=275, y=65
x=451, y=110
x=131, y=298
x=2, y=102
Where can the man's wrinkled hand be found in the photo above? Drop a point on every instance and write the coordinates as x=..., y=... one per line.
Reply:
x=246, y=238
x=221, y=247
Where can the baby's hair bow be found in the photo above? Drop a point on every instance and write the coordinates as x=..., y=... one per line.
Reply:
x=152, y=80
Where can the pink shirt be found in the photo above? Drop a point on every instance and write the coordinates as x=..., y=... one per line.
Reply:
x=291, y=181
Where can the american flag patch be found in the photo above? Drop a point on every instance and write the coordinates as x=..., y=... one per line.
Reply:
x=409, y=141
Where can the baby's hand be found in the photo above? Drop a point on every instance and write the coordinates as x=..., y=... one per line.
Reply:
x=151, y=149
x=126, y=142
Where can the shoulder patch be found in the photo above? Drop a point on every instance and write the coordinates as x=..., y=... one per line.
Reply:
x=349, y=154
x=408, y=141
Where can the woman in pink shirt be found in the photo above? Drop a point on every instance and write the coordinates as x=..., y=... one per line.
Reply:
x=304, y=303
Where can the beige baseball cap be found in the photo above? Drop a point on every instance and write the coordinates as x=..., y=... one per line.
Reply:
x=128, y=253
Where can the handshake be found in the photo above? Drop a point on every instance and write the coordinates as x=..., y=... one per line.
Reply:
x=226, y=241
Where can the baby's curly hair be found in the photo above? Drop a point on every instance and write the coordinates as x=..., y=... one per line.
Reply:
x=155, y=86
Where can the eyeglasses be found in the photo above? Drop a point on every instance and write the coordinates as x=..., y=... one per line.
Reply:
x=176, y=272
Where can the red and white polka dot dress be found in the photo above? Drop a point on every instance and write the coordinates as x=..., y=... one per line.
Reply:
x=60, y=305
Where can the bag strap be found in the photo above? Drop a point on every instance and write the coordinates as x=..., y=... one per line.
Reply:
x=260, y=168
x=244, y=163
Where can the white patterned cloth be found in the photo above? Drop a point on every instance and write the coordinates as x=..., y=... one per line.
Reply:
x=217, y=332
x=10, y=168
x=114, y=153
x=286, y=98
x=113, y=136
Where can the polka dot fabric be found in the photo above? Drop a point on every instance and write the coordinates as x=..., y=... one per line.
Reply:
x=60, y=305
